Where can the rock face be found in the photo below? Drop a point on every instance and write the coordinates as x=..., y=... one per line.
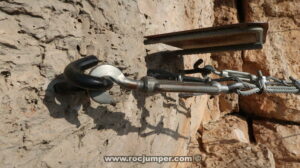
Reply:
x=225, y=143
x=230, y=129
x=41, y=129
x=282, y=140
x=279, y=57
x=39, y=38
x=239, y=155
x=226, y=13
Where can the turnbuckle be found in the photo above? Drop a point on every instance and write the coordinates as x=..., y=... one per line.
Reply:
x=101, y=78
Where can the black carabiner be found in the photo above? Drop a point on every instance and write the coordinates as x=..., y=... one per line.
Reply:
x=74, y=75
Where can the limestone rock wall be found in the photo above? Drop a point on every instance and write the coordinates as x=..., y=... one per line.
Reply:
x=39, y=38
x=279, y=57
x=41, y=129
x=272, y=119
x=282, y=139
x=226, y=143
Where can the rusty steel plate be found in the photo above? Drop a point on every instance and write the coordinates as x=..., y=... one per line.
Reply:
x=220, y=38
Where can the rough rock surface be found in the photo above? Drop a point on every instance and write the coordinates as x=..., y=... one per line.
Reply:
x=41, y=129
x=238, y=155
x=279, y=57
x=282, y=140
x=39, y=38
x=229, y=129
x=226, y=13
x=225, y=143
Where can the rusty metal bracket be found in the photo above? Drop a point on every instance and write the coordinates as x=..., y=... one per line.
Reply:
x=243, y=36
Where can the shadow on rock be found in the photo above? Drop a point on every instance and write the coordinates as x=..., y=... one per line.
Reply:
x=67, y=106
x=105, y=119
x=63, y=106
x=170, y=61
x=167, y=60
x=154, y=129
